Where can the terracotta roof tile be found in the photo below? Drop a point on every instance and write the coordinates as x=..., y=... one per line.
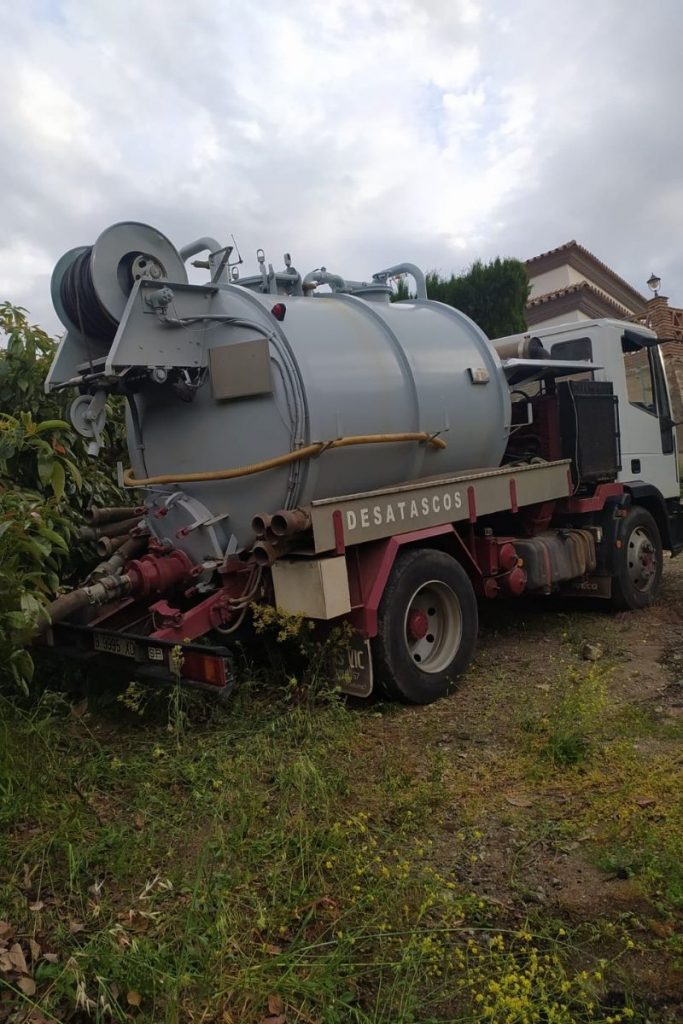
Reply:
x=560, y=248
x=573, y=244
x=573, y=289
x=549, y=296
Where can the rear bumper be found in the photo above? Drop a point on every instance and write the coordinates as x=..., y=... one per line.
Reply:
x=206, y=667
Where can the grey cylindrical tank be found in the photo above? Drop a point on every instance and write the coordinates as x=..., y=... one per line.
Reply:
x=327, y=366
x=341, y=365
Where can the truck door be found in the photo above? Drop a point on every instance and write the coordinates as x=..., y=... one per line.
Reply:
x=648, y=439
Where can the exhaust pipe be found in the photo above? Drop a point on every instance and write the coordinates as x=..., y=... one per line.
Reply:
x=526, y=348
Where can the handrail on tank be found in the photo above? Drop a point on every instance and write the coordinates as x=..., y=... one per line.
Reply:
x=405, y=268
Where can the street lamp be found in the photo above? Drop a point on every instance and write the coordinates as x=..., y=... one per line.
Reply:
x=654, y=284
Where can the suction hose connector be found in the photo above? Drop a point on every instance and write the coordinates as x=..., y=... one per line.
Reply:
x=113, y=514
x=115, y=529
x=290, y=521
x=106, y=589
x=145, y=576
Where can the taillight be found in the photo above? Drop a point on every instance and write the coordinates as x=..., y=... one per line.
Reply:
x=204, y=668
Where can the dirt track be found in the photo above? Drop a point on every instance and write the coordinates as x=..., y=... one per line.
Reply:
x=546, y=837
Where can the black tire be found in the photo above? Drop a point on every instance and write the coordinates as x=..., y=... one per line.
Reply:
x=638, y=563
x=424, y=584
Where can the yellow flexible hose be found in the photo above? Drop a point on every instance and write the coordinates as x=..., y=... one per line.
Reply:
x=309, y=452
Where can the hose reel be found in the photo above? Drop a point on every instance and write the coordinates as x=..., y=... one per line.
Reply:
x=91, y=284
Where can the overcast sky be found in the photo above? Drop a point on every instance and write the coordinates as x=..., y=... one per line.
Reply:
x=353, y=134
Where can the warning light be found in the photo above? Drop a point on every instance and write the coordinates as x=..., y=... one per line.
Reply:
x=279, y=310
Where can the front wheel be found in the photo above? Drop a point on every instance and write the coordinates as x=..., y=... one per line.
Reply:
x=638, y=563
x=427, y=627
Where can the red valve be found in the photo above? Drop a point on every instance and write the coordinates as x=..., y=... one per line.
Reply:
x=152, y=574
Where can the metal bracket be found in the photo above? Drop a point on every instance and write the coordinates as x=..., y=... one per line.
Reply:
x=88, y=416
x=160, y=299
x=218, y=261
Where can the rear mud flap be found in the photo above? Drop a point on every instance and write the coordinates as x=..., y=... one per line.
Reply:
x=590, y=586
x=353, y=668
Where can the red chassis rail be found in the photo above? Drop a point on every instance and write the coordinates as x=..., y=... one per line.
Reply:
x=165, y=607
x=491, y=561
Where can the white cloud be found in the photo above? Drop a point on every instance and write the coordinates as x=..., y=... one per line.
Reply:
x=352, y=133
x=21, y=265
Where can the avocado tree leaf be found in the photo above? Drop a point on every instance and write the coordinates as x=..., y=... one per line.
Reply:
x=22, y=665
x=46, y=463
x=75, y=473
x=46, y=425
x=53, y=537
x=57, y=480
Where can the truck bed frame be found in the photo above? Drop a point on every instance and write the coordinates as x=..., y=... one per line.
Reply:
x=366, y=530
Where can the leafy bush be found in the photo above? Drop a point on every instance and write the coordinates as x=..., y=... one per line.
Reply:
x=493, y=294
x=46, y=482
x=34, y=530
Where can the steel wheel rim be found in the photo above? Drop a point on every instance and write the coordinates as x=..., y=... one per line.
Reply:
x=435, y=650
x=641, y=560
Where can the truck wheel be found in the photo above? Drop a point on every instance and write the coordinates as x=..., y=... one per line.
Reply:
x=427, y=627
x=638, y=563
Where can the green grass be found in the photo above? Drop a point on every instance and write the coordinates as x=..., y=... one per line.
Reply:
x=329, y=861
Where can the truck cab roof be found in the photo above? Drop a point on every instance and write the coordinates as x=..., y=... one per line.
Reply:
x=581, y=328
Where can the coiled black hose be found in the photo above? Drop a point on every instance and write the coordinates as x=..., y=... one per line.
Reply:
x=81, y=303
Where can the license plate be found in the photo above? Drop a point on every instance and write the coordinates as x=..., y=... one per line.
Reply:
x=114, y=645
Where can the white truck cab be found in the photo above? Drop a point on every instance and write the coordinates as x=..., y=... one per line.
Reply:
x=629, y=358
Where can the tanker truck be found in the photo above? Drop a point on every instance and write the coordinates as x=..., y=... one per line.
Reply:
x=305, y=442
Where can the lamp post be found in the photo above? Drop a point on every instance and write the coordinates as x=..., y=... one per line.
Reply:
x=654, y=284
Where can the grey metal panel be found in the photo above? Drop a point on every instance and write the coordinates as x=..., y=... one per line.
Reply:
x=238, y=371
x=141, y=340
x=424, y=503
